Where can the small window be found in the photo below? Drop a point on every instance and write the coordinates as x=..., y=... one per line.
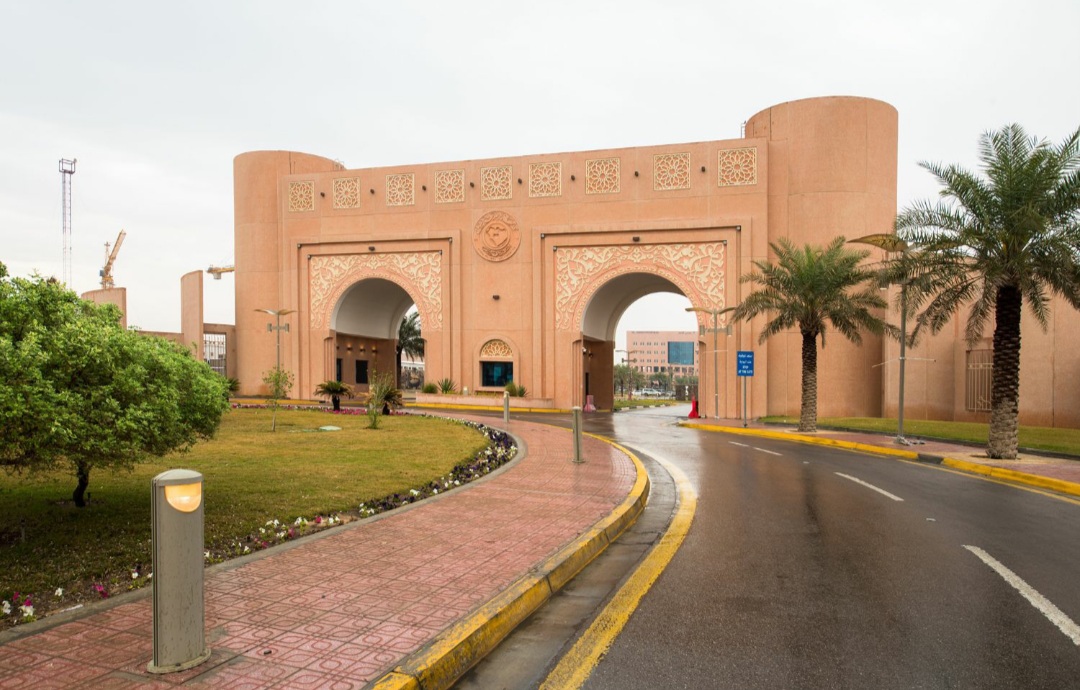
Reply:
x=496, y=374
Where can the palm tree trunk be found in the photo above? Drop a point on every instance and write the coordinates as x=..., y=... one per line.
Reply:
x=1005, y=388
x=82, y=474
x=808, y=409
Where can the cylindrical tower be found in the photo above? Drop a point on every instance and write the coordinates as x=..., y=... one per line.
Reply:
x=832, y=171
x=259, y=195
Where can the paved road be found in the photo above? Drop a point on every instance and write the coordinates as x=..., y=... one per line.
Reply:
x=795, y=576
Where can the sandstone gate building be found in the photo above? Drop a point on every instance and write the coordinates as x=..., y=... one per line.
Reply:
x=521, y=267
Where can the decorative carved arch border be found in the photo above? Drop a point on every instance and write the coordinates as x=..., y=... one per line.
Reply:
x=697, y=269
x=418, y=273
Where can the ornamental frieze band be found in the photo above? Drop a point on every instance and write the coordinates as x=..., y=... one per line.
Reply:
x=418, y=273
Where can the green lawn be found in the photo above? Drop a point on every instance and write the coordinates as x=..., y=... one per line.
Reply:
x=251, y=476
x=1034, y=437
x=622, y=404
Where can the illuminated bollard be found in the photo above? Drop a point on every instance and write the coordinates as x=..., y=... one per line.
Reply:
x=179, y=637
x=577, y=435
x=506, y=407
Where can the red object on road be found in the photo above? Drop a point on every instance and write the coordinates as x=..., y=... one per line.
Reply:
x=693, y=410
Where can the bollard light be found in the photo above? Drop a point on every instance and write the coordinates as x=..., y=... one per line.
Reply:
x=577, y=435
x=506, y=407
x=179, y=618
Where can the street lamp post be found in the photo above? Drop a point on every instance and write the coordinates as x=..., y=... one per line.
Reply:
x=893, y=244
x=716, y=352
x=630, y=361
x=278, y=313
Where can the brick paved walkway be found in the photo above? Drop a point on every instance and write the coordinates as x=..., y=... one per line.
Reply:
x=339, y=610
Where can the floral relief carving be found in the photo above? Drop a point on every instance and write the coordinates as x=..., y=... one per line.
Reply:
x=495, y=183
x=418, y=273
x=496, y=348
x=545, y=179
x=302, y=196
x=400, y=189
x=449, y=186
x=671, y=171
x=347, y=192
x=735, y=167
x=697, y=269
x=602, y=176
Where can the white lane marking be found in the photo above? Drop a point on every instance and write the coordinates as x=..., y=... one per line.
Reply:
x=869, y=486
x=1056, y=615
x=740, y=445
x=766, y=451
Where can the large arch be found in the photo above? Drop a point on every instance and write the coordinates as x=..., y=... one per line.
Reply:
x=363, y=331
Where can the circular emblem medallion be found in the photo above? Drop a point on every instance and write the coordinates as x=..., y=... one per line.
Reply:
x=496, y=236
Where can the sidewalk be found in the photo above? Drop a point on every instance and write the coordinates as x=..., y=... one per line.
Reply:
x=1055, y=474
x=419, y=593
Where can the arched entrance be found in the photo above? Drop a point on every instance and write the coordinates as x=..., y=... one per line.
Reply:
x=363, y=331
x=601, y=319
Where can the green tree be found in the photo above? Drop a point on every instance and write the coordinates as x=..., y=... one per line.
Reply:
x=335, y=390
x=280, y=382
x=811, y=288
x=624, y=377
x=409, y=341
x=80, y=391
x=993, y=242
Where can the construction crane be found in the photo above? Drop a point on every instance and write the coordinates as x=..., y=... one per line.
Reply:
x=110, y=257
x=216, y=271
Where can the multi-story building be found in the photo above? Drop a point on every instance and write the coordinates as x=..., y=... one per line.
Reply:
x=669, y=352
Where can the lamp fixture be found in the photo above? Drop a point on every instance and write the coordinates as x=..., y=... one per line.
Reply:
x=184, y=497
x=703, y=168
x=372, y=191
x=371, y=248
x=636, y=238
x=495, y=297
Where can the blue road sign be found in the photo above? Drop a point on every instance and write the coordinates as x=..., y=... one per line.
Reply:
x=744, y=363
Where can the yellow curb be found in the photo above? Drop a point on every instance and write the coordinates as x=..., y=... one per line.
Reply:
x=454, y=651
x=1049, y=483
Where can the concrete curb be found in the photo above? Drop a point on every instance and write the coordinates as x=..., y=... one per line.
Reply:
x=453, y=652
x=1014, y=476
x=483, y=408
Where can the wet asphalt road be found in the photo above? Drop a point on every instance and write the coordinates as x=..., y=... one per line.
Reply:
x=795, y=577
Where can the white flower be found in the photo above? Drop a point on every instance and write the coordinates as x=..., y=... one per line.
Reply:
x=435, y=491
x=27, y=610
x=247, y=549
x=7, y=608
x=135, y=575
x=206, y=554
x=59, y=591
x=414, y=492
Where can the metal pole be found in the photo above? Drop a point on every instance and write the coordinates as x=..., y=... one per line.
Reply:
x=903, y=352
x=744, y=401
x=577, y=435
x=506, y=407
x=715, y=361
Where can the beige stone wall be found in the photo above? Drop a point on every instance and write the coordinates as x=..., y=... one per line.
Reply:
x=117, y=296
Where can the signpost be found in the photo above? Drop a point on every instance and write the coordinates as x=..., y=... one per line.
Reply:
x=744, y=367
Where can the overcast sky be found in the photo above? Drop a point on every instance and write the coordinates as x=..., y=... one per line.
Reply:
x=155, y=100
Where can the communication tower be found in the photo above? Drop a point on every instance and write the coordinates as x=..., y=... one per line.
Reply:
x=67, y=169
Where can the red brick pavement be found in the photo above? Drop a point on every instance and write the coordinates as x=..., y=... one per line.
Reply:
x=340, y=610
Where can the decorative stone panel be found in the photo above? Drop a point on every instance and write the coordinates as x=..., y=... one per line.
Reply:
x=671, y=171
x=545, y=179
x=449, y=186
x=602, y=176
x=302, y=196
x=697, y=269
x=735, y=167
x=400, y=189
x=418, y=273
x=496, y=236
x=347, y=192
x=496, y=348
x=495, y=183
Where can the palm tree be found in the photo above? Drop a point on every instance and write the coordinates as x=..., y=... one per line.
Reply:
x=334, y=390
x=810, y=288
x=994, y=242
x=409, y=341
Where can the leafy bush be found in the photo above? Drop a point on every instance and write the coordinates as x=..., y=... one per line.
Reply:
x=429, y=388
x=447, y=386
x=334, y=390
